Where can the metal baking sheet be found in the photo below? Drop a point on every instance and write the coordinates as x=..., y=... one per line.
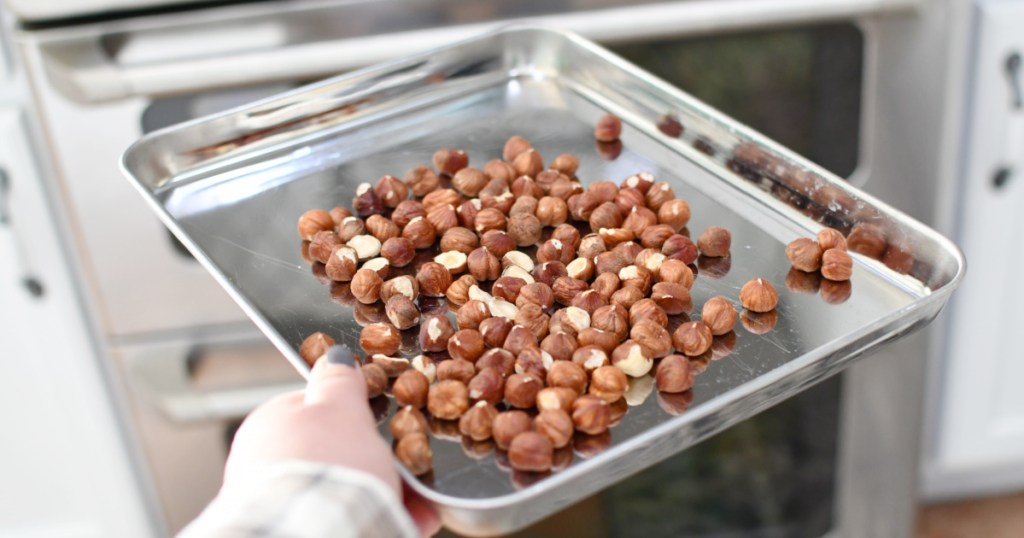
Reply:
x=231, y=187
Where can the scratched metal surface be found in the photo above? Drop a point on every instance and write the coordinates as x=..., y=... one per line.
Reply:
x=236, y=210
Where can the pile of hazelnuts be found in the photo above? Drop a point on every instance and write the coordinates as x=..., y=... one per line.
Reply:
x=562, y=295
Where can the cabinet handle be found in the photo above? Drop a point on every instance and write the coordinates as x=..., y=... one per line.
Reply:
x=29, y=281
x=5, y=188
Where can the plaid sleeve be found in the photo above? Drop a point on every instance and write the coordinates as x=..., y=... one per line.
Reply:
x=297, y=499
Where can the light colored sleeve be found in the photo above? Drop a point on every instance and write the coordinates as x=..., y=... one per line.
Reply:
x=298, y=499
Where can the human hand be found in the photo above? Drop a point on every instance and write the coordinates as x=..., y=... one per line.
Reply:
x=329, y=422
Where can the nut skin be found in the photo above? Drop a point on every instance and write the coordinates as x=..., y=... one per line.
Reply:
x=433, y=279
x=758, y=295
x=467, y=213
x=509, y=424
x=567, y=374
x=466, y=345
x=459, y=239
x=420, y=232
x=653, y=338
x=314, y=347
x=339, y=214
x=647, y=310
x=608, y=128
x=457, y=369
x=639, y=219
x=439, y=198
x=532, y=452
x=804, y=254
x=591, y=415
x=497, y=242
x=487, y=385
x=351, y=227
x=514, y=146
x=381, y=227
x=590, y=358
x=421, y=180
x=483, y=265
x=556, y=425
x=615, y=236
x=606, y=284
x=500, y=170
x=608, y=383
x=829, y=238
x=631, y=359
x=399, y=251
x=400, y=285
x=674, y=374
x=674, y=213
x=402, y=312
x=313, y=221
x=534, y=361
x=458, y=292
x=408, y=420
x=448, y=399
x=443, y=218
x=366, y=286
x=560, y=398
x=552, y=211
x=434, y=333
x=366, y=202
x=450, y=161
x=508, y=288
x=521, y=390
x=566, y=163
x=410, y=389
x=692, y=338
x=637, y=277
x=836, y=265
x=495, y=331
x=679, y=247
x=518, y=339
x=589, y=301
x=476, y=423
x=413, y=451
x=559, y=345
x=376, y=379
x=606, y=215
x=555, y=250
x=655, y=236
x=604, y=190
x=719, y=315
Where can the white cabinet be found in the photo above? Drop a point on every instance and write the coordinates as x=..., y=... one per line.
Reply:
x=65, y=466
x=979, y=442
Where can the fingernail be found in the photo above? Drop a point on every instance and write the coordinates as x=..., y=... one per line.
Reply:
x=341, y=355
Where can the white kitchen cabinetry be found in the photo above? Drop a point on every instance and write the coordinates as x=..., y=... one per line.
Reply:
x=978, y=445
x=66, y=469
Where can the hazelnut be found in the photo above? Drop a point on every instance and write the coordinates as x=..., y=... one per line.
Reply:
x=675, y=214
x=457, y=369
x=366, y=286
x=366, y=201
x=398, y=251
x=627, y=296
x=433, y=279
x=376, y=379
x=604, y=191
x=509, y=424
x=613, y=319
x=421, y=180
x=518, y=339
x=631, y=359
x=466, y=344
x=714, y=242
x=674, y=374
x=521, y=390
x=420, y=232
x=450, y=161
x=559, y=345
x=471, y=314
x=392, y=366
x=867, y=239
x=408, y=420
x=829, y=238
x=448, y=399
x=758, y=295
x=677, y=272
x=560, y=398
x=608, y=128
x=552, y=211
x=549, y=271
x=567, y=374
x=642, y=182
x=379, y=265
x=459, y=239
x=440, y=198
x=435, y=332
x=497, y=242
x=487, y=385
x=343, y=264
x=495, y=331
x=531, y=451
x=469, y=181
x=454, y=261
x=591, y=336
x=339, y=214
x=483, y=265
x=673, y=298
x=588, y=301
x=458, y=291
x=351, y=227
x=556, y=425
x=639, y=219
x=566, y=288
x=606, y=215
x=555, y=250
x=654, y=340
x=521, y=261
x=836, y=265
x=804, y=254
x=719, y=315
x=499, y=360
x=670, y=125
x=526, y=189
x=410, y=389
x=467, y=212
x=654, y=237
x=679, y=247
x=322, y=245
x=590, y=358
x=406, y=211
x=637, y=277
x=658, y=194
x=591, y=414
x=514, y=146
x=476, y=423
x=524, y=229
x=443, y=218
x=313, y=221
x=566, y=163
x=692, y=338
x=489, y=219
x=424, y=365
x=400, y=285
x=639, y=389
x=582, y=205
x=608, y=383
x=537, y=293
x=614, y=236
x=565, y=189
x=413, y=451
x=647, y=310
x=605, y=284
x=628, y=250
x=314, y=347
x=571, y=320
x=528, y=163
x=402, y=312
x=532, y=317
x=499, y=170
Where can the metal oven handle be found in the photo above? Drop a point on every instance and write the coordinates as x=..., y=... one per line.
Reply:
x=82, y=67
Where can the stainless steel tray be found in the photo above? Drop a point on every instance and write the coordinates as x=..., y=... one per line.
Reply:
x=231, y=187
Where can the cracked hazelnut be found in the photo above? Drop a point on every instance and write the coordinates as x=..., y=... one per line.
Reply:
x=420, y=232
x=631, y=359
x=495, y=331
x=454, y=261
x=413, y=451
x=829, y=238
x=435, y=332
x=476, y=423
x=458, y=292
x=758, y=295
x=421, y=180
x=524, y=229
x=692, y=338
x=408, y=420
x=376, y=379
x=342, y=265
x=508, y=425
x=590, y=358
x=590, y=414
x=448, y=399
x=556, y=425
x=608, y=128
x=402, y=312
x=521, y=390
x=804, y=254
x=673, y=298
x=653, y=338
x=674, y=374
x=450, y=161
x=410, y=389
x=457, y=369
x=567, y=374
x=433, y=279
x=518, y=339
x=719, y=315
x=313, y=221
x=314, y=347
x=531, y=451
x=836, y=265
x=366, y=286
x=487, y=385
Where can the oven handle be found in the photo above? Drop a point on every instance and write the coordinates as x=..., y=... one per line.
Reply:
x=84, y=72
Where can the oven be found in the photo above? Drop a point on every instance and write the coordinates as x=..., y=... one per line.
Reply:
x=828, y=79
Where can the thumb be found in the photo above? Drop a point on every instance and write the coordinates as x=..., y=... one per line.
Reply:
x=336, y=378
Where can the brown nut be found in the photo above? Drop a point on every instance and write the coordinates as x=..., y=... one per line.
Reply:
x=313, y=221
x=420, y=232
x=381, y=227
x=829, y=238
x=524, y=229
x=472, y=314
x=680, y=247
x=614, y=236
x=605, y=284
x=566, y=163
x=658, y=195
x=714, y=242
x=631, y=359
x=719, y=315
x=342, y=265
x=366, y=285
x=559, y=345
x=591, y=336
x=639, y=218
x=677, y=272
x=443, y=218
x=804, y=254
x=508, y=288
x=469, y=181
x=675, y=213
x=611, y=318
x=483, y=265
x=413, y=451
x=476, y=423
x=339, y=214
x=556, y=398
x=458, y=291
x=692, y=338
x=433, y=279
x=673, y=298
x=627, y=296
x=376, y=379
x=408, y=420
x=552, y=211
x=393, y=366
x=400, y=285
x=655, y=236
x=500, y=170
x=537, y=293
x=567, y=374
x=534, y=361
x=638, y=277
x=509, y=424
x=604, y=191
x=647, y=310
x=589, y=301
x=531, y=451
x=398, y=251
x=421, y=180
x=532, y=317
x=581, y=206
x=457, y=369
x=351, y=227
x=867, y=239
x=528, y=163
x=555, y=250
x=495, y=331
x=459, y=239
x=448, y=399
x=406, y=211
x=836, y=265
x=466, y=344
x=556, y=425
x=674, y=374
x=590, y=414
x=608, y=128
x=566, y=288
x=314, y=347
x=653, y=338
x=323, y=245
x=521, y=390
x=450, y=161
x=497, y=242
x=499, y=360
x=606, y=215
x=513, y=147
x=366, y=201
x=487, y=385
x=758, y=295
x=590, y=358
x=435, y=332
x=608, y=383
x=467, y=212
x=402, y=312
x=548, y=272
x=518, y=339
x=489, y=219
x=410, y=389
